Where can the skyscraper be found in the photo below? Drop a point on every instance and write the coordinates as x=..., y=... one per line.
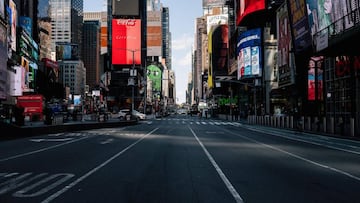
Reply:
x=67, y=22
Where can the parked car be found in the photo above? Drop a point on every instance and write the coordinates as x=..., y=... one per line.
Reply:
x=123, y=113
x=139, y=115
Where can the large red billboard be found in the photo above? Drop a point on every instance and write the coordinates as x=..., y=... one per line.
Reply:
x=126, y=41
x=245, y=7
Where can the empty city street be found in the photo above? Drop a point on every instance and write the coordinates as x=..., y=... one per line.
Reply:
x=180, y=158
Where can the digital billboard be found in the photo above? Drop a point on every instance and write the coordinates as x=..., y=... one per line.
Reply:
x=245, y=7
x=26, y=24
x=249, y=54
x=126, y=41
x=67, y=51
x=125, y=7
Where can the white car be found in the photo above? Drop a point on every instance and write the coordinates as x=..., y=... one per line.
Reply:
x=139, y=115
x=123, y=112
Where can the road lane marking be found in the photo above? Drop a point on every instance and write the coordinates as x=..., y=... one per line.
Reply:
x=299, y=157
x=110, y=140
x=25, y=191
x=72, y=184
x=314, y=140
x=51, y=140
x=228, y=184
x=15, y=182
x=41, y=150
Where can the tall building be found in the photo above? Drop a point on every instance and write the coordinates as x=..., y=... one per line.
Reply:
x=91, y=52
x=66, y=21
x=166, y=39
x=73, y=75
x=44, y=24
x=126, y=55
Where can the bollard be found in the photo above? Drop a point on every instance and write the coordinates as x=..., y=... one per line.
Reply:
x=352, y=127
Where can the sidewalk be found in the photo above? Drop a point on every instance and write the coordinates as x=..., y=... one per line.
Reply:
x=32, y=128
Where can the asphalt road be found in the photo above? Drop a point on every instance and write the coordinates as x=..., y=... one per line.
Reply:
x=180, y=159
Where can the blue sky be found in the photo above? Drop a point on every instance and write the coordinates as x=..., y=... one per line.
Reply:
x=182, y=27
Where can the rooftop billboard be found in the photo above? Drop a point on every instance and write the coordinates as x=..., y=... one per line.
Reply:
x=126, y=41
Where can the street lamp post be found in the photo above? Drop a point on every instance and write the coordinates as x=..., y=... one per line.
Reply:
x=133, y=75
x=145, y=83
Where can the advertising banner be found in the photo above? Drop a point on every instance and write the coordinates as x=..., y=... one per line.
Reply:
x=214, y=20
x=249, y=54
x=3, y=61
x=26, y=24
x=300, y=27
x=2, y=9
x=13, y=22
x=285, y=68
x=220, y=49
x=154, y=74
x=126, y=41
x=315, y=78
x=16, y=81
x=67, y=51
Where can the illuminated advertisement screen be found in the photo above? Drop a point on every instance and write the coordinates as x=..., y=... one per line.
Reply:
x=67, y=51
x=249, y=53
x=126, y=41
x=26, y=24
x=246, y=7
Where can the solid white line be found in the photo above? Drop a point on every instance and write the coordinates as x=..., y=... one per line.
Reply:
x=228, y=184
x=300, y=157
x=41, y=150
x=66, y=188
x=311, y=141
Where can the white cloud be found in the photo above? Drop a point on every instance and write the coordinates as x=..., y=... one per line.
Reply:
x=184, y=60
x=183, y=43
x=181, y=62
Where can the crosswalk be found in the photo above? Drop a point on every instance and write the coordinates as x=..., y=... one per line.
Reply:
x=185, y=121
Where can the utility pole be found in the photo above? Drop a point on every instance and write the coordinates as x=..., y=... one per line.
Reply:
x=132, y=75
